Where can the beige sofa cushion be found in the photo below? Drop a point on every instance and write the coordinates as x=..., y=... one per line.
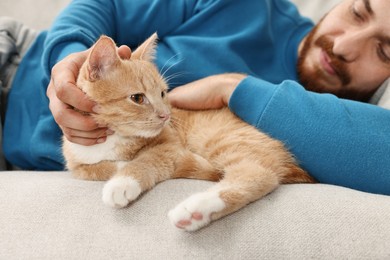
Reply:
x=50, y=215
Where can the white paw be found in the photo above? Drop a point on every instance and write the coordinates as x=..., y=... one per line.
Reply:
x=195, y=212
x=119, y=191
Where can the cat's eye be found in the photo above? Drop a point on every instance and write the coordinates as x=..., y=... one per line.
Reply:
x=138, y=98
x=163, y=93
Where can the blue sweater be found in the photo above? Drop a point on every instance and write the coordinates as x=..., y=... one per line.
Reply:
x=338, y=141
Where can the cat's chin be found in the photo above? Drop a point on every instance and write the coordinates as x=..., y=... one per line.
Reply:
x=145, y=133
x=150, y=134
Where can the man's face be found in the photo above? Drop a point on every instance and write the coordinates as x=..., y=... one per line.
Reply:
x=348, y=52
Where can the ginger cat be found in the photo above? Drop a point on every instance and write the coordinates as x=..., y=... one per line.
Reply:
x=153, y=142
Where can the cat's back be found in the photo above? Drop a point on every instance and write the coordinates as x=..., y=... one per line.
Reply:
x=202, y=128
x=205, y=121
x=222, y=139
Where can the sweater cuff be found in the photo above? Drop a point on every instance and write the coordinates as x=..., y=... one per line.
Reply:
x=250, y=99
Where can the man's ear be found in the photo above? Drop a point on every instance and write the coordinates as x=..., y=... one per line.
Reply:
x=102, y=57
x=147, y=50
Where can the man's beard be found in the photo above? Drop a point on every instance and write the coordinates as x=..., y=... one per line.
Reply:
x=311, y=78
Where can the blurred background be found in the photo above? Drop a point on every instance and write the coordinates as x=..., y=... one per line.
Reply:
x=39, y=14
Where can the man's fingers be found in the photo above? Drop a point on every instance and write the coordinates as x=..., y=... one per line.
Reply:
x=196, y=95
x=66, y=116
x=211, y=92
x=85, y=141
x=70, y=118
x=124, y=52
x=64, y=76
x=86, y=137
x=70, y=94
x=67, y=100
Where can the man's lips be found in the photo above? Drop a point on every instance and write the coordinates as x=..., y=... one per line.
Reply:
x=326, y=63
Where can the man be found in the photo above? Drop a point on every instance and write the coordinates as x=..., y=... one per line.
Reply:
x=338, y=141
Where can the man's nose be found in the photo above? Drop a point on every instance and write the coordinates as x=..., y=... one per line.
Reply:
x=348, y=46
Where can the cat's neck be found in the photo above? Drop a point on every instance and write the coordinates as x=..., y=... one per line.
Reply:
x=134, y=143
x=126, y=147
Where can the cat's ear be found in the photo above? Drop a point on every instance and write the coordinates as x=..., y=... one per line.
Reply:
x=147, y=50
x=102, y=57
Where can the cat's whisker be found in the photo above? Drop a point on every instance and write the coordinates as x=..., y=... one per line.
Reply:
x=171, y=66
x=163, y=71
x=167, y=79
x=173, y=76
x=178, y=122
x=163, y=67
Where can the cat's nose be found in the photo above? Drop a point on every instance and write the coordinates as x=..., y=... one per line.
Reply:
x=164, y=116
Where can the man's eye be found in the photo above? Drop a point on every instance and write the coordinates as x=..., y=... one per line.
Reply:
x=382, y=54
x=138, y=98
x=355, y=13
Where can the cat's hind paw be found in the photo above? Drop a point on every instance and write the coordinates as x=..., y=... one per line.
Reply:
x=195, y=212
x=120, y=191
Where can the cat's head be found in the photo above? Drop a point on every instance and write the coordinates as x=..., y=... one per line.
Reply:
x=131, y=94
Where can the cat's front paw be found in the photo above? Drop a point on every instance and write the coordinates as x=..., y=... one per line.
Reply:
x=195, y=212
x=120, y=191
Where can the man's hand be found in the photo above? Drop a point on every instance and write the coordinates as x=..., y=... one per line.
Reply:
x=64, y=96
x=212, y=92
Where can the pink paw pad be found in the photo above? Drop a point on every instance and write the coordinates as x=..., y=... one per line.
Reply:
x=195, y=212
x=185, y=222
x=197, y=216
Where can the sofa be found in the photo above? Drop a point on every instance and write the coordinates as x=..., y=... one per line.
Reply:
x=50, y=215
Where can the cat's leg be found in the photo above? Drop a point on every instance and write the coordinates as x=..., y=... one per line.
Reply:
x=152, y=167
x=100, y=171
x=136, y=176
x=244, y=182
x=193, y=166
x=120, y=190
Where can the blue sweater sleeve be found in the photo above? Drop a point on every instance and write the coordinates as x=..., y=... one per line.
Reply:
x=338, y=141
x=129, y=22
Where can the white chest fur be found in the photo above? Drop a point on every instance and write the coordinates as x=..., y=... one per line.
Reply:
x=96, y=153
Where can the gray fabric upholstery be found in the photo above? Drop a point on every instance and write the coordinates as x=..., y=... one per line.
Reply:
x=50, y=215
